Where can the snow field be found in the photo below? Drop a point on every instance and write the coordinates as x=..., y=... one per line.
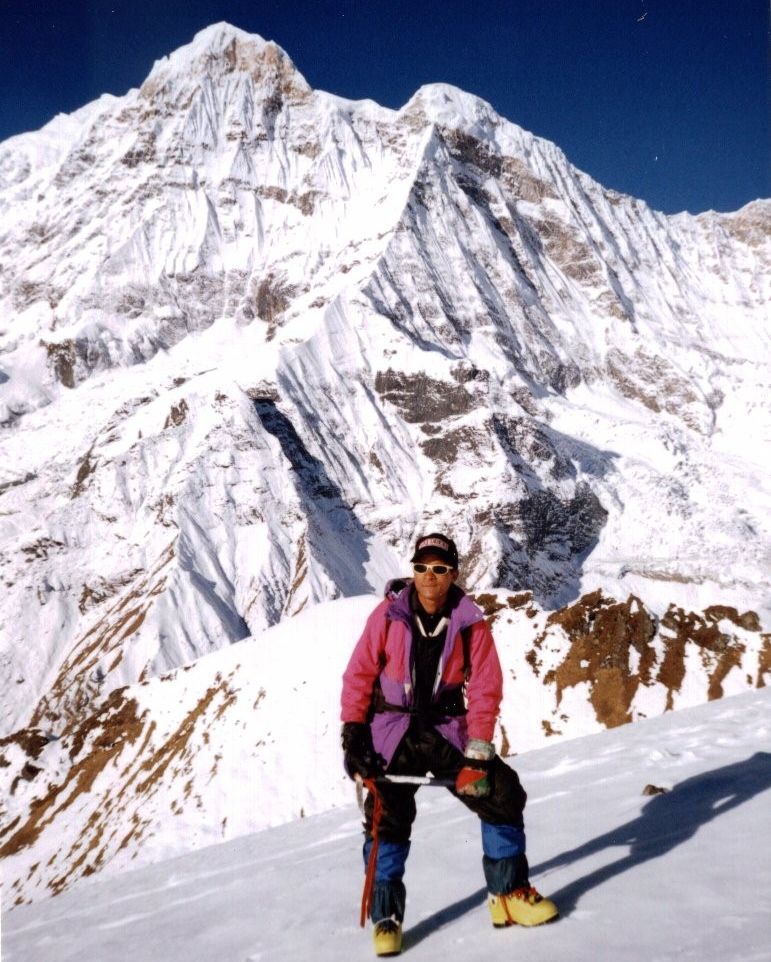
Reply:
x=683, y=875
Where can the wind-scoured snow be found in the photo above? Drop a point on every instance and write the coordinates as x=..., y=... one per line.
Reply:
x=679, y=875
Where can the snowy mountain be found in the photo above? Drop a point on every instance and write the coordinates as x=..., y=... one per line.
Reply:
x=248, y=737
x=255, y=337
x=682, y=873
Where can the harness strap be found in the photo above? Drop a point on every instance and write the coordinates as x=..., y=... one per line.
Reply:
x=449, y=709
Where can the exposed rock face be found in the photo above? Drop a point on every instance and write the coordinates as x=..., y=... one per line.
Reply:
x=719, y=650
x=605, y=636
x=618, y=659
x=424, y=400
x=255, y=338
x=616, y=648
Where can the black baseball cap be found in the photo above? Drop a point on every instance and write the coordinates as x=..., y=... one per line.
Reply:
x=438, y=544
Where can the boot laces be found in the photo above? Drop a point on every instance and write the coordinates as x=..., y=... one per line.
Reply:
x=528, y=894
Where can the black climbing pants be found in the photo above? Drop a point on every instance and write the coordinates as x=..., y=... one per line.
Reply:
x=424, y=750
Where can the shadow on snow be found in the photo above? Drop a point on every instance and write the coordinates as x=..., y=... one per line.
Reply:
x=665, y=822
x=335, y=535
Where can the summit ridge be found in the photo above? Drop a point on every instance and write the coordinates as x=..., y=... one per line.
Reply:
x=221, y=49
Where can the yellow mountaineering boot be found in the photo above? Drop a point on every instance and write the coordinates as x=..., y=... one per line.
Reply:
x=387, y=935
x=521, y=907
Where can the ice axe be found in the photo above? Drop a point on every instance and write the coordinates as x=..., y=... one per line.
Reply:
x=372, y=785
x=400, y=780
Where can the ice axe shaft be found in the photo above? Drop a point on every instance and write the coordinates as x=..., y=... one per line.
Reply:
x=402, y=780
x=415, y=780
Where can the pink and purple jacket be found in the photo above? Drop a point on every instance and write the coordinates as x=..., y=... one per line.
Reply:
x=384, y=652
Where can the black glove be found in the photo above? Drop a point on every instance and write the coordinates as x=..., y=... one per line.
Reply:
x=360, y=757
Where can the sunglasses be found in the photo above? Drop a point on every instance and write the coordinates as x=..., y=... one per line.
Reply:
x=421, y=568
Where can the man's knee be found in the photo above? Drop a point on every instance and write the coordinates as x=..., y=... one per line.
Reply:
x=397, y=814
x=508, y=789
x=506, y=803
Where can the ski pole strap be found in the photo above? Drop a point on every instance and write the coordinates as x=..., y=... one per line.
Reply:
x=369, y=875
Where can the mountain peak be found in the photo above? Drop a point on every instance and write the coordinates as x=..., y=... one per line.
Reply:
x=447, y=106
x=444, y=102
x=218, y=36
x=221, y=49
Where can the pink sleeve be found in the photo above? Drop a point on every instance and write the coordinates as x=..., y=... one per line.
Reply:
x=484, y=690
x=364, y=667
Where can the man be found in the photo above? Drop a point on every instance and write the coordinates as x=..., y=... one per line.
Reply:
x=421, y=694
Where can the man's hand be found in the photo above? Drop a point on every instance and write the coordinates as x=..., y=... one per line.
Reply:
x=360, y=757
x=473, y=779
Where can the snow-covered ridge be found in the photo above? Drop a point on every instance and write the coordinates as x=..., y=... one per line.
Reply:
x=212, y=42
x=222, y=49
x=248, y=737
x=254, y=338
x=599, y=842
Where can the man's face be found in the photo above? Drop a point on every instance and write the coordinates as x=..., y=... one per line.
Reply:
x=432, y=588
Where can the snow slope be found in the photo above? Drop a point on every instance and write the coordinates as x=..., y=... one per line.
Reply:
x=683, y=875
x=154, y=771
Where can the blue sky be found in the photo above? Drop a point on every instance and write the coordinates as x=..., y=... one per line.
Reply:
x=667, y=100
